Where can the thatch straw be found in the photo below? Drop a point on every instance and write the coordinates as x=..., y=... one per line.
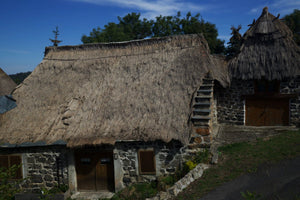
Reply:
x=103, y=93
x=268, y=51
x=6, y=83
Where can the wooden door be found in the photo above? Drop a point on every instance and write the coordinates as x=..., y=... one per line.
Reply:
x=267, y=112
x=94, y=170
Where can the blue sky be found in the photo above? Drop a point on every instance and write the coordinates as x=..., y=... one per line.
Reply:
x=27, y=25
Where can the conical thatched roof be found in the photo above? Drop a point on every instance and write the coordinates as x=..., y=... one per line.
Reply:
x=102, y=93
x=268, y=51
x=6, y=83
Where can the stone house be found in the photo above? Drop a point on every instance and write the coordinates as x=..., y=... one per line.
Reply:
x=265, y=78
x=102, y=116
x=99, y=117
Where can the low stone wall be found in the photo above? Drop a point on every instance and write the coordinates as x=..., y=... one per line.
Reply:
x=168, y=157
x=180, y=185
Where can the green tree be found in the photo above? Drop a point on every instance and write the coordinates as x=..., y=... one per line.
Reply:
x=135, y=28
x=175, y=25
x=234, y=43
x=131, y=27
x=293, y=22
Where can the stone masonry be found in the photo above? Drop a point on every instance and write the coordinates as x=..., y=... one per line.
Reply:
x=43, y=167
x=292, y=87
x=230, y=104
x=168, y=156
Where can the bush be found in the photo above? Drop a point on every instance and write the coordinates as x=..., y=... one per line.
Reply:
x=8, y=185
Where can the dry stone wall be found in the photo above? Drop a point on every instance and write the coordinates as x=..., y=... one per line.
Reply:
x=293, y=87
x=230, y=104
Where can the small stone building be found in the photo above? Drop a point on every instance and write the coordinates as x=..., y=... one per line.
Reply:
x=99, y=117
x=265, y=78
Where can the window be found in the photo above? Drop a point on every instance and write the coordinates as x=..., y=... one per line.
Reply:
x=146, y=161
x=7, y=161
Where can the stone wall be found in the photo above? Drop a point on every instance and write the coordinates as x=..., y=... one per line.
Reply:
x=167, y=157
x=43, y=167
x=229, y=101
x=231, y=105
x=292, y=87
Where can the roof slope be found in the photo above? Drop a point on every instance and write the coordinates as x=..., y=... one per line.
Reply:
x=102, y=93
x=6, y=83
x=268, y=51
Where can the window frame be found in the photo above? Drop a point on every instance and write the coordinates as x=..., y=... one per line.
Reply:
x=9, y=164
x=140, y=160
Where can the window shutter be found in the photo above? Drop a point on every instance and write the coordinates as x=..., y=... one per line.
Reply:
x=147, y=162
x=3, y=161
x=16, y=160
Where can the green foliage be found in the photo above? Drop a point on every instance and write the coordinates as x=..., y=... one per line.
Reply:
x=293, y=22
x=250, y=195
x=139, y=191
x=19, y=77
x=190, y=164
x=49, y=193
x=131, y=27
x=234, y=43
x=202, y=157
x=8, y=186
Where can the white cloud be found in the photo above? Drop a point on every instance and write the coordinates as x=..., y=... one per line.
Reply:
x=151, y=8
x=279, y=6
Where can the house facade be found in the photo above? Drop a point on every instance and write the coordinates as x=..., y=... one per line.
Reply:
x=99, y=117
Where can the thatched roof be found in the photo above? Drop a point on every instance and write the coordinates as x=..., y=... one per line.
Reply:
x=6, y=83
x=268, y=51
x=103, y=93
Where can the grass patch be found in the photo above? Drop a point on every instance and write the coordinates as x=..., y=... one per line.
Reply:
x=240, y=158
x=139, y=191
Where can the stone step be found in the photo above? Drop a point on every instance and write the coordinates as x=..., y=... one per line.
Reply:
x=203, y=98
x=203, y=92
x=200, y=118
x=201, y=111
x=205, y=105
x=206, y=87
x=200, y=123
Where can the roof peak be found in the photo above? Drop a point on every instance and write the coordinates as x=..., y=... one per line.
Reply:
x=265, y=10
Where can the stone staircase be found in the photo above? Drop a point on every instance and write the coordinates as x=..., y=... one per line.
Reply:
x=201, y=114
